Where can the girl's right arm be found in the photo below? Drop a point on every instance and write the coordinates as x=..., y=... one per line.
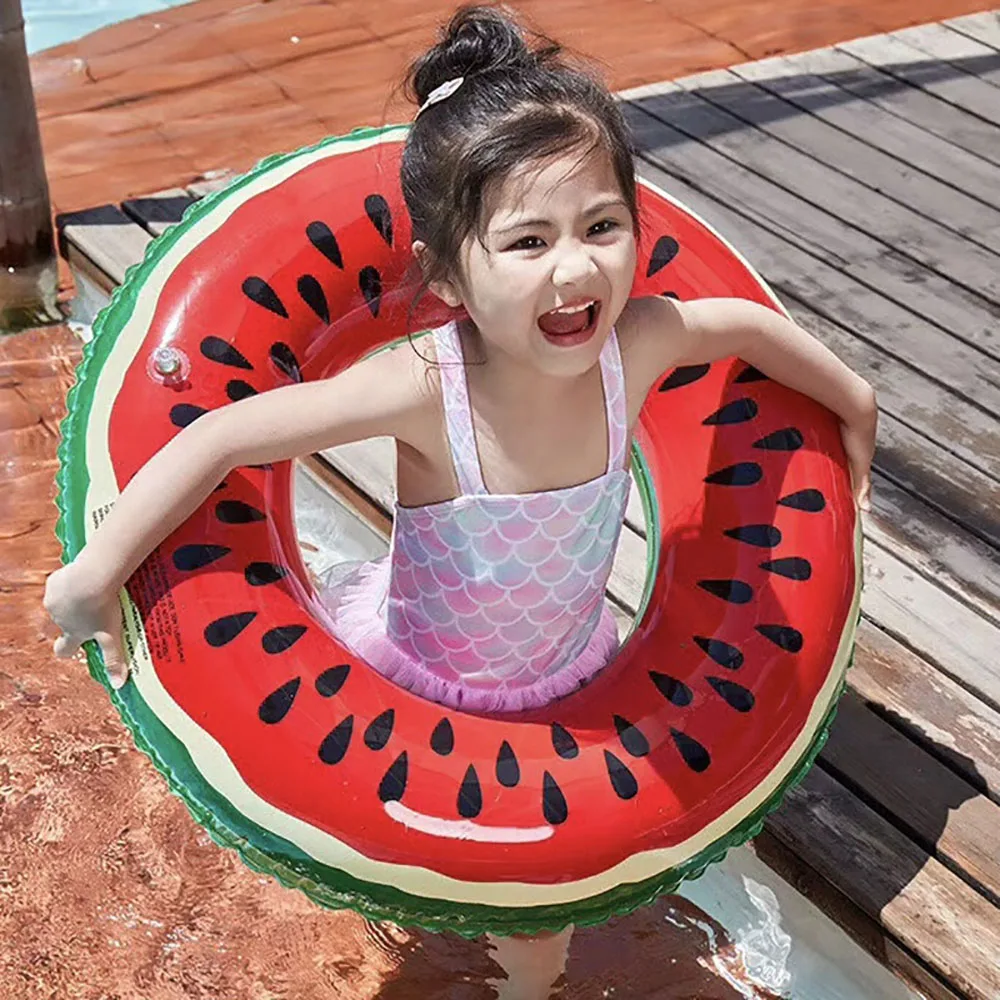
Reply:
x=378, y=396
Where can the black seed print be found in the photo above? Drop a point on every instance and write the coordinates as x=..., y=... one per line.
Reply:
x=508, y=770
x=663, y=253
x=684, y=376
x=189, y=557
x=750, y=374
x=695, y=755
x=670, y=295
x=725, y=655
x=741, y=474
x=676, y=692
x=563, y=742
x=237, y=389
x=276, y=705
x=259, y=574
x=734, y=694
x=393, y=784
x=470, y=795
x=554, y=807
x=225, y=629
x=794, y=567
x=370, y=283
x=377, y=210
x=380, y=729
x=733, y=591
x=259, y=291
x=443, y=738
x=807, y=500
x=332, y=679
x=216, y=349
x=333, y=748
x=788, y=638
x=787, y=439
x=284, y=359
x=311, y=292
x=282, y=637
x=622, y=779
x=237, y=512
x=185, y=413
x=221, y=486
x=764, y=536
x=632, y=738
x=739, y=411
x=322, y=238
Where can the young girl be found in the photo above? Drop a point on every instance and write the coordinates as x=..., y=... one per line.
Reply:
x=519, y=179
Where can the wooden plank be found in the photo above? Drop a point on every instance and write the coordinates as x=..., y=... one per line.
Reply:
x=107, y=237
x=931, y=709
x=916, y=898
x=984, y=27
x=830, y=260
x=892, y=178
x=895, y=225
x=929, y=471
x=829, y=293
x=157, y=212
x=933, y=624
x=863, y=929
x=796, y=78
x=937, y=43
x=934, y=806
x=936, y=547
x=908, y=103
x=898, y=60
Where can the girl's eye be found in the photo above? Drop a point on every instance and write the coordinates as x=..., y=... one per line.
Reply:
x=526, y=243
x=604, y=226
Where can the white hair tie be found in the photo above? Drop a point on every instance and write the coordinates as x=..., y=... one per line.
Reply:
x=439, y=94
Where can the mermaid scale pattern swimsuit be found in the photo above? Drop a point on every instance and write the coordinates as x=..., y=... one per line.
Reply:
x=492, y=602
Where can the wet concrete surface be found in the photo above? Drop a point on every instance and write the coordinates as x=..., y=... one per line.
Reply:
x=161, y=99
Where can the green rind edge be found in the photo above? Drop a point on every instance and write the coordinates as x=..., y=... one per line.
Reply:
x=259, y=849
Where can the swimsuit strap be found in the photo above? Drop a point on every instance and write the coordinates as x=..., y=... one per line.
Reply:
x=457, y=410
x=615, y=401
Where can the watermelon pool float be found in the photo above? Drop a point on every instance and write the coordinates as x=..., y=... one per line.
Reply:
x=324, y=774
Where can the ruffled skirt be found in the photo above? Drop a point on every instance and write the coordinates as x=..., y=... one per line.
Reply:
x=353, y=597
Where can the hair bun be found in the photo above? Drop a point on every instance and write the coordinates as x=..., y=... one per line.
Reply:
x=476, y=40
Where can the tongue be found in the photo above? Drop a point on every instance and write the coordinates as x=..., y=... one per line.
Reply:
x=561, y=324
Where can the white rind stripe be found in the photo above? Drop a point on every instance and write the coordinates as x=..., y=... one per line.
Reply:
x=465, y=829
x=209, y=756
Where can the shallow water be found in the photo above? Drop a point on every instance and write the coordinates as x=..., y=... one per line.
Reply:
x=52, y=22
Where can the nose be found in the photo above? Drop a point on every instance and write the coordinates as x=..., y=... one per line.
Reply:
x=573, y=266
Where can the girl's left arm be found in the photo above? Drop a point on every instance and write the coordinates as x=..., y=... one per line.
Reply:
x=706, y=330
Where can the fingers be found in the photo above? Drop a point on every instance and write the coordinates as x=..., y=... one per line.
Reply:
x=114, y=661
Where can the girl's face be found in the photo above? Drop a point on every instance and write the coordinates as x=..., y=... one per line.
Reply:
x=558, y=234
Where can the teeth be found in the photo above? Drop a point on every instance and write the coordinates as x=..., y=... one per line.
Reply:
x=569, y=310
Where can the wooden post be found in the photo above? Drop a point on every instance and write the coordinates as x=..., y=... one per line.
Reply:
x=29, y=275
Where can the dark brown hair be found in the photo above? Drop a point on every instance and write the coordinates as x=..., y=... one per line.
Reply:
x=518, y=104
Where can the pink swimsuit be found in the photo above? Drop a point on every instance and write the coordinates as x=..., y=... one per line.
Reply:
x=493, y=602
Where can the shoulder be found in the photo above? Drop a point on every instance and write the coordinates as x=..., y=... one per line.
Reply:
x=652, y=336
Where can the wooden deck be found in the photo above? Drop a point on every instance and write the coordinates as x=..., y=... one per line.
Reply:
x=863, y=182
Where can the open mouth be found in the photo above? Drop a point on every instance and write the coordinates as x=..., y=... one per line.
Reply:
x=570, y=325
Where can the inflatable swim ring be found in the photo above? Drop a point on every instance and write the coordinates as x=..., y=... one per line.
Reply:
x=331, y=778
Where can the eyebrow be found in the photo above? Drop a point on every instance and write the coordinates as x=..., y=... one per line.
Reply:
x=601, y=206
